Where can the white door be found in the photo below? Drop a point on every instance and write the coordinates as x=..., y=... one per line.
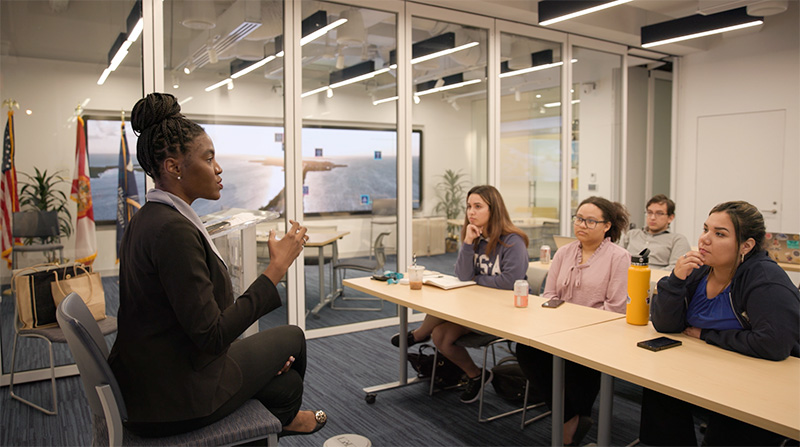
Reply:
x=741, y=157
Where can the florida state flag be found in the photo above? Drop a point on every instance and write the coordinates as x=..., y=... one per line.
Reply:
x=85, y=238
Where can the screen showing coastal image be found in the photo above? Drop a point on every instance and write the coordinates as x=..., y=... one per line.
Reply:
x=344, y=169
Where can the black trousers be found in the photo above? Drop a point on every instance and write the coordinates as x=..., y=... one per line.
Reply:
x=259, y=357
x=668, y=421
x=581, y=384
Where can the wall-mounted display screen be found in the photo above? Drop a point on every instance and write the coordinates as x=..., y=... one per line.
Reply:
x=344, y=169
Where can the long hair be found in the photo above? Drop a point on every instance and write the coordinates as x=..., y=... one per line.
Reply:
x=613, y=212
x=499, y=220
x=163, y=132
x=747, y=223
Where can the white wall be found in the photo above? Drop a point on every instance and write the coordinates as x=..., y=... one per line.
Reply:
x=749, y=73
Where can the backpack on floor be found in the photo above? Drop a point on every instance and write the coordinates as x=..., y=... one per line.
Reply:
x=509, y=381
x=447, y=373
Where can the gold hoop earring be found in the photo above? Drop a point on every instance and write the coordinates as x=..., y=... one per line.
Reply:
x=742, y=259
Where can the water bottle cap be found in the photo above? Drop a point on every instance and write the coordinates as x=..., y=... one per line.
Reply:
x=642, y=259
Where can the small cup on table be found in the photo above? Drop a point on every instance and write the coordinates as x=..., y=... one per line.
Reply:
x=415, y=276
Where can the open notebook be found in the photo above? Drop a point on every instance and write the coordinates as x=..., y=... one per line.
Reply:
x=446, y=282
x=440, y=280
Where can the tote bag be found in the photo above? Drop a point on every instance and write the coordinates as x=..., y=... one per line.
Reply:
x=34, y=297
x=87, y=284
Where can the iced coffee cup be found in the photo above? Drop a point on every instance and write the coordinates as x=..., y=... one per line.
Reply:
x=415, y=276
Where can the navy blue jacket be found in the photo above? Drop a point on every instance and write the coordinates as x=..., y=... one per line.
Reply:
x=764, y=300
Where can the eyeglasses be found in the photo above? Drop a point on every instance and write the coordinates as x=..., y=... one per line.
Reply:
x=656, y=214
x=590, y=223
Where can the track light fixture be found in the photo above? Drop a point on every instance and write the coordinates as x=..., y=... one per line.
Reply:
x=696, y=26
x=554, y=11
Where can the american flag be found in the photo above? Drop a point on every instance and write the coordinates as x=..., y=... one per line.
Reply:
x=8, y=189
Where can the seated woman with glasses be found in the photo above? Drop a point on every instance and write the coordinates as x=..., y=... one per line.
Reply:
x=593, y=272
x=731, y=294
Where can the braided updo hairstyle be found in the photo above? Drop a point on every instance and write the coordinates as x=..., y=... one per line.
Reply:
x=162, y=130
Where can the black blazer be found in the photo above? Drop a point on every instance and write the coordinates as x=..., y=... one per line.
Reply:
x=177, y=318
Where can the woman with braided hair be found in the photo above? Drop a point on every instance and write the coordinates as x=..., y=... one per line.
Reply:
x=176, y=357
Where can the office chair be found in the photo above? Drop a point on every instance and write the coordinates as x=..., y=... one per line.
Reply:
x=250, y=422
x=384, y=212
x=36, y=224
x=50, y=335
x=485, y=341
x=364, y=265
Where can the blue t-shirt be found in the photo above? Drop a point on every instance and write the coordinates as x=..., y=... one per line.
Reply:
x=715, y=313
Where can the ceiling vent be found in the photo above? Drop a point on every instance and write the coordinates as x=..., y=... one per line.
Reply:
x=233, y=25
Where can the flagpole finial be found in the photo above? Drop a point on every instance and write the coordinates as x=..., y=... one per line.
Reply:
x=10, y=103
x=78, y=110
x=122, y=116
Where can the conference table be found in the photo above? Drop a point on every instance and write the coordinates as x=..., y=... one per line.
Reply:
x=483, y=309
x=696, y=372
x=760, y=392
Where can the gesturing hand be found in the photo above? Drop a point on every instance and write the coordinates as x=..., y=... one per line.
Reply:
x=286, y=366
x=284, y=251
x=687, y=263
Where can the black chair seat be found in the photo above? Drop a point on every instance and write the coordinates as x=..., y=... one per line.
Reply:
x=476, y=340
x=366, y=265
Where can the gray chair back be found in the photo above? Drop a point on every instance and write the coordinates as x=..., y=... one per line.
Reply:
x=380, y=251
x=42, y=224
x=90, y=351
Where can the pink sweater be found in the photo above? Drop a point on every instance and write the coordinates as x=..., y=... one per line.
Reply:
x=601, y=282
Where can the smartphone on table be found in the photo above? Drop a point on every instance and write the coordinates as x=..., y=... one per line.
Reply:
x=659, y=344
x=552, y=303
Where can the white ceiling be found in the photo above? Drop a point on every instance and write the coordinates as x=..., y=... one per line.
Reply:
x=84, y=30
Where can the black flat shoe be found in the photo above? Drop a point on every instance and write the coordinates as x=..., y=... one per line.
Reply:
x=321, y=418
x=411, y=341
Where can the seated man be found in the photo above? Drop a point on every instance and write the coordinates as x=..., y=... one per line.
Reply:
x=665, y=247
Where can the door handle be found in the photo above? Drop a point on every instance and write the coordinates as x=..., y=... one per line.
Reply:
x=769, y=211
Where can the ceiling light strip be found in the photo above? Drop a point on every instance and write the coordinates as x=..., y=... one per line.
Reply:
x=523, y=71
x=321, y=32
x=703, y=34
x=558, y=104
x=447, y=87
x=254, y=66
x=218, y=84
x=579, y=13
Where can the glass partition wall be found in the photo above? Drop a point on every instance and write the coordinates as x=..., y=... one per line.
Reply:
x=350, y=154
x=449, y=57
x=224, y=62
x=596, y=127
x=530, y=136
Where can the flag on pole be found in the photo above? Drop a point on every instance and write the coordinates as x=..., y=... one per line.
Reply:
x=85, y=238
x=10, y=201
x=127, y=193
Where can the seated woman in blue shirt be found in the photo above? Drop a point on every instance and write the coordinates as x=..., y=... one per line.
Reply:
x=494, y=254
x=731, y=294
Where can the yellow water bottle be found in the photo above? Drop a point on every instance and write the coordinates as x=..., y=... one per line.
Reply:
x=638, y=311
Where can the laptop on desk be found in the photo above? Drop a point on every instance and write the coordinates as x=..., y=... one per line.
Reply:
x=783, y=247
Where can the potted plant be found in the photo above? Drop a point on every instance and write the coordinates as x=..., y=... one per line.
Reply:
x=41, y=191
x=451, y=192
